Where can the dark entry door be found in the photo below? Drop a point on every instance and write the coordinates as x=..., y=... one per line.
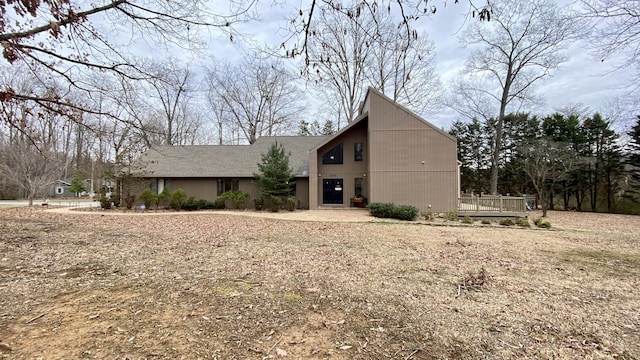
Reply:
x=332, y=191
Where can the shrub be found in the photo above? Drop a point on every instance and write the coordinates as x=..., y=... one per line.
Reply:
x=391, y=211
x=405, y=212
x=452, y=215
x=190, y=205
x=543, y=224
x=239, y=199
x=129, y=201
x=258, y=203
x=177, y=199
x=428, y=216
x=220, y=202
x=290, y=204
x=148, y=198
x=507, y=222
x=105, y=203
x=467, y=220
x=163, y=198
x=275, y=203
x=382, y=210
x=522, y=222
x=485, y=222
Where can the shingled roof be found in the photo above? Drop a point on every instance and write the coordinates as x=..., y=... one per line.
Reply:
x=205, y=161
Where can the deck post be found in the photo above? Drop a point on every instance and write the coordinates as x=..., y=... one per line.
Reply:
x=500, y=197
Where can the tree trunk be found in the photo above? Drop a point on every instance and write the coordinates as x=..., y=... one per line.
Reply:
x=579, y=199
x=565, y=195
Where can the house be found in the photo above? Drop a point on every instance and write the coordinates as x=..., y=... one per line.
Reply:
x=387, y=154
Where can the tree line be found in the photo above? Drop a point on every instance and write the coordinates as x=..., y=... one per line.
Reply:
x=75, y=100
x=568, y=160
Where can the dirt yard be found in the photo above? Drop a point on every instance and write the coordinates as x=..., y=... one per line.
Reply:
x=218, y=286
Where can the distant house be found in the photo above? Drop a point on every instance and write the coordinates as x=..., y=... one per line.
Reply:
x=62, y=189
x=387, y=154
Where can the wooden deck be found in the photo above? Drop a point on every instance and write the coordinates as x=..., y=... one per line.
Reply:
x=492, y=206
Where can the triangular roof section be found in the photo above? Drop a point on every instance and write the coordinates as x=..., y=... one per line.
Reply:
x=357, y=120
x=206, y=161
x=364, y=114
x=406, y=110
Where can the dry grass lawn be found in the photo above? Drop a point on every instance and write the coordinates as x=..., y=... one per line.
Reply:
x=216, y=286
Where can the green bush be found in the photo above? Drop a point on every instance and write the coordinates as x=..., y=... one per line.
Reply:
x=258, y=203
x=522, y=222
x=485, y=222
x=220, y=202
x=105, y=203
x=148, y=198
x=382, y=210
x=507, y=222
x=391, y=211
x=239, y=199
x=192, y=204
x=177, y=199
x=163, y=198
x=543, y=224
x=406, y=212
x=428, y=216
x=452, y=215
x=290, y=203
x=275, y=203
x=467, y=220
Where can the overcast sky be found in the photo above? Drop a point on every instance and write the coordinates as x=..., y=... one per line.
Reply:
x=581, y=80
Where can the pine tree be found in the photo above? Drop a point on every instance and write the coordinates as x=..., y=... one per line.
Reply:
x=276, y=177
x=633, y=159
x=77, y=185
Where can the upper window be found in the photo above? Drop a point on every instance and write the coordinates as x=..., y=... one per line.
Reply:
x=333, y=156
x=357, y=151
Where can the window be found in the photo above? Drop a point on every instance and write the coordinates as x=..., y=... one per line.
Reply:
x=358, y=186
x=333, y=156
x=225, y=185
x=357, y=151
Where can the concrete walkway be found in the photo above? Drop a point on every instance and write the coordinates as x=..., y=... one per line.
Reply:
x=321, y=215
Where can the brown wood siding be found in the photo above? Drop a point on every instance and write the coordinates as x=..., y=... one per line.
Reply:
x=201, y=189
x=302, y=191
x=348, y=171
x=207, y=189
x=411, y=162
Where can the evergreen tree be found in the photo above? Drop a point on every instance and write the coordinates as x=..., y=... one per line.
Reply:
x=633, y=161
x=276, y=177
x=77, y=185
x=604, y=166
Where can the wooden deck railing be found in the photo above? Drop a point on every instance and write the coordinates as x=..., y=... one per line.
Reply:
x=492, y=203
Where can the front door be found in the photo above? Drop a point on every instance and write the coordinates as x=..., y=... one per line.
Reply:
x=332, y=191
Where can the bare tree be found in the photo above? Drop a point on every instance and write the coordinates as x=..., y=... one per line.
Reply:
x=303, y=24
x=258, y=96
x=172, y=92
x=616, y=30
x=31, y=169
x=546, y=163
x=65, y=40
x=402, y=66
x=519, y=47
x=339, y=54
